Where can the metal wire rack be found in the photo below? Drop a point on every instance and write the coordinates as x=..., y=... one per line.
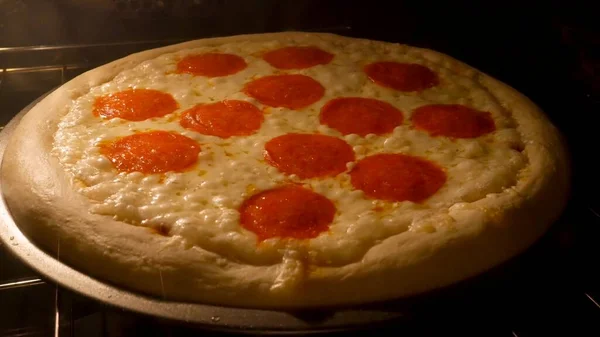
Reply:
x=521, y=306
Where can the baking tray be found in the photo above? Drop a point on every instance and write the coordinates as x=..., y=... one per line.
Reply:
x=326, y=320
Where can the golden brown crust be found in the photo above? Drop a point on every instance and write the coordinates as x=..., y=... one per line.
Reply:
x=485, y=232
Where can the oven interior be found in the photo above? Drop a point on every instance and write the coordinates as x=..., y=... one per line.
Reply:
x=549, y=52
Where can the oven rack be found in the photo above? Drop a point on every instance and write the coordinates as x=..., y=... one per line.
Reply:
x=32, y=306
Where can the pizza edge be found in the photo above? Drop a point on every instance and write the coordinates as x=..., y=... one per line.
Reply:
x=46, y=208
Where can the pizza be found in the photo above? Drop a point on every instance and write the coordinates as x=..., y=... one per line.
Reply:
x=285, y=170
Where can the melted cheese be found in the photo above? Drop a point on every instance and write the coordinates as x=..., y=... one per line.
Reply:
x=200, y=206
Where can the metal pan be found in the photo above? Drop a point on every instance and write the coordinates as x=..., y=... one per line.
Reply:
x=236, y=319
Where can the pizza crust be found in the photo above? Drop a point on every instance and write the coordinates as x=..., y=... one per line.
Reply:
x=484, y=233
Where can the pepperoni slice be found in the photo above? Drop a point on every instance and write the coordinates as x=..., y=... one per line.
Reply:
x=287, y=212
x=360, y=116
x=135, y=104
x=223, y=119
x=397, y=177
x=402, y=76
x=453, y=120
x=297, y=57
x=211, y=64
x=308, y=155
x=152, y=152
x=287, y=91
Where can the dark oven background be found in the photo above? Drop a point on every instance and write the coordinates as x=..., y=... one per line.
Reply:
x=548, y=50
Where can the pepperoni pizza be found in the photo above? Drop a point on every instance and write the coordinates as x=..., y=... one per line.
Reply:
x=285, y=170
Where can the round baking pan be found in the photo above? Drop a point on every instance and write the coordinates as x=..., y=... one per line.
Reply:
x=246, y=320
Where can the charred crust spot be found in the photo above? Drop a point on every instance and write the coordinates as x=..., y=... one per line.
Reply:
x=518, y=147
x=162, y=230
